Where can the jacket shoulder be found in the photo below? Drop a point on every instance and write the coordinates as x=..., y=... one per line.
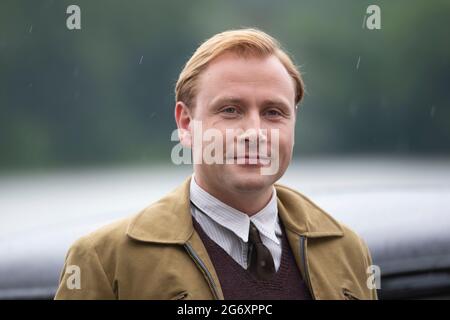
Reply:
x=350, y=241
x=93, y=255
x=108, y=234
x=345, y=249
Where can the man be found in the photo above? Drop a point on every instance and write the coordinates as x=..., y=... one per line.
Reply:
x=228, y=232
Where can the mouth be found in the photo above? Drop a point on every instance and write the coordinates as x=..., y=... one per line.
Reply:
x=251, y=160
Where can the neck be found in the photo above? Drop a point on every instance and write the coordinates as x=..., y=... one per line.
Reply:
x=248, y=202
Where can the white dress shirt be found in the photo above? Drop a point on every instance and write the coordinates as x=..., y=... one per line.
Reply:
x=229, y=228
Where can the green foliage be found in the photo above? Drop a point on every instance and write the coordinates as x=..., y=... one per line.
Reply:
x=104, y=94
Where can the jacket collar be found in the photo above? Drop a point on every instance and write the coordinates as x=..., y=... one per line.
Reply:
x=169, y=220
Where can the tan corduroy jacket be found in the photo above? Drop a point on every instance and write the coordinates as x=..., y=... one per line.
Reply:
x=157, y=254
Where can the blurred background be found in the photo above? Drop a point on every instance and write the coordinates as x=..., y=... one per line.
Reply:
x=86, y=116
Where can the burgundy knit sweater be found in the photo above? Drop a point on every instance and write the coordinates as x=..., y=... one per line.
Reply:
x=239, y=284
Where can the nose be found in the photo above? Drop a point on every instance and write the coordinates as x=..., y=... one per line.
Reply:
x=252, y=128
x=252, y=121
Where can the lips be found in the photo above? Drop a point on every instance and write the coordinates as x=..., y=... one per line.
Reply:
x=255, y=160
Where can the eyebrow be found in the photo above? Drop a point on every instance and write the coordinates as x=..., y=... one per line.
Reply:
x=236, y=100
x=231, y=100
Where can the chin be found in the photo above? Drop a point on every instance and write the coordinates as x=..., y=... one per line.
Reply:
x=250, y=180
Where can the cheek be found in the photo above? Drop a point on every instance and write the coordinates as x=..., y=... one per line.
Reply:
x=286, y=145
x=285, y=139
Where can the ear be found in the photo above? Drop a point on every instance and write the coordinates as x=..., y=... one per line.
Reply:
x=183, y=119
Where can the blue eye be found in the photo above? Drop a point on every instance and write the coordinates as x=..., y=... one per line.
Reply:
x=229, y=110
x=273, y=113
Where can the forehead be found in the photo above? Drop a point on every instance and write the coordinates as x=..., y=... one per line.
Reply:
x=249, y=77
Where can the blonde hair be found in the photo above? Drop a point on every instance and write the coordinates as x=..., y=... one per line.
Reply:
x=243, y=42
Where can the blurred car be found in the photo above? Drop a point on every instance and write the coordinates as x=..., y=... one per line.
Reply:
x=402, y=211
x=408, y=233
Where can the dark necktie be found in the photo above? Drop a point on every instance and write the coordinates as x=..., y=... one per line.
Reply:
x=261, y=263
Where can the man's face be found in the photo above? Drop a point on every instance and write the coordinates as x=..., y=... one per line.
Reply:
x=253, y=94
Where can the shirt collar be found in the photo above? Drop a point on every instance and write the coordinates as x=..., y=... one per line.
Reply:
x=266, y=220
